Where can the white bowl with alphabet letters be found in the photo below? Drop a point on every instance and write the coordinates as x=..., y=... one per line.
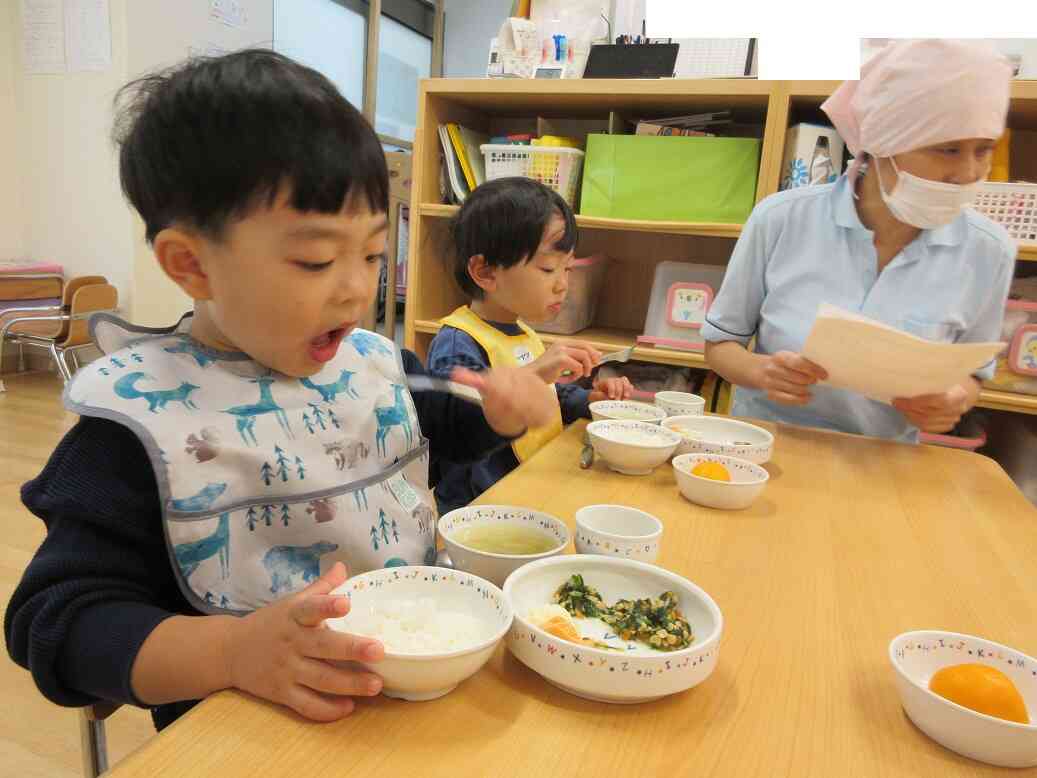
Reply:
x=459, y=529
x=438, y=626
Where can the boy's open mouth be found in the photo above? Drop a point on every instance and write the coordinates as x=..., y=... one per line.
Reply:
x=324, y=347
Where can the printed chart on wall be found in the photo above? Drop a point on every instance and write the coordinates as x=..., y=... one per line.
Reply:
x=66, y=36
x=714, y=57
x=43, y=36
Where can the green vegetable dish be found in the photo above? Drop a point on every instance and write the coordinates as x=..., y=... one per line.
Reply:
x=655, y=621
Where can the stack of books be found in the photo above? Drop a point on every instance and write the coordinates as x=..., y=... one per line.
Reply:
x=465, y=168
x=693, y=125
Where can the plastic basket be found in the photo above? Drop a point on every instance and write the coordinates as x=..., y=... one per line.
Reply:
x=1013, y=206
x=557, y=167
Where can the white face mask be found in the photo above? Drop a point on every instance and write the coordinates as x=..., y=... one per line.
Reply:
x=923, y=203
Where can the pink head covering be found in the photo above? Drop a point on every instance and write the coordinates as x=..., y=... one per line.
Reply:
x=917, y=93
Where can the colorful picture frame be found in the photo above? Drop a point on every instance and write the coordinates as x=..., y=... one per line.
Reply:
x=1022, y=359
x=687, y=304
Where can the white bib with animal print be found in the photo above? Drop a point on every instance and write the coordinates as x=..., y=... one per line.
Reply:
x=267, y=480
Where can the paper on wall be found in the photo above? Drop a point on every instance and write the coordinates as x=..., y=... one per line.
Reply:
x=43, y=36
x=88, y=35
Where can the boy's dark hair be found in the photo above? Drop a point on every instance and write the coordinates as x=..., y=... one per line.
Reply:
x=210, y=139
x=504, y=220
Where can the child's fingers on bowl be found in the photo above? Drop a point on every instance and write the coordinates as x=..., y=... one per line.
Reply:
x=335, y=576
x=343, y=646
x=311, y=610
x=326, y=678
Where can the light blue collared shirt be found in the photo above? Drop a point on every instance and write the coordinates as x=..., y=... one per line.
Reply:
x=807, y=246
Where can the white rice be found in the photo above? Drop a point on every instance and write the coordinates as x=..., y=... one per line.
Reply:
x=628, y=414
x=417, y=626
x=636, y=437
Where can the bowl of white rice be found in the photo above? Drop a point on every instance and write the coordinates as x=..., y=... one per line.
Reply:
x=438, y=626
x=632, y=447
x=626, y=410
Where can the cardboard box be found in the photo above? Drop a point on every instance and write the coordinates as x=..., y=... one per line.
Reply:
x=813, y=155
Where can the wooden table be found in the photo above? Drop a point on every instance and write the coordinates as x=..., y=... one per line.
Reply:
x=853, y=542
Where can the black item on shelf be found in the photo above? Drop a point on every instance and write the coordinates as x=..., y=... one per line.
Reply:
x=656, y=60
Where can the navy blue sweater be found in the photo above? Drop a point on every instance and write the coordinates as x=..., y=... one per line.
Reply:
x=101, y=581
x=458, y=483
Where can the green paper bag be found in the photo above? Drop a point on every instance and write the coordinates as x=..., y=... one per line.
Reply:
x=670, y=178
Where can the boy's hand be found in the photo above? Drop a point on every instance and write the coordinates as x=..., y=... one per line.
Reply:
x=283, y=653
x=611, y=389
x=565, y=362
x=514, y=399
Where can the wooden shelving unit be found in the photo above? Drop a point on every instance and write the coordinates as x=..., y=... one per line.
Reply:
x=1008, y=401
x=635, y=246
x=708, y=229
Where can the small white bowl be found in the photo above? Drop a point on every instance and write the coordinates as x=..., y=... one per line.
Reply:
x=721, y=435
x=426, y=676
x=747, y=481
x=635, y=673
x=485, y=564
x=916, y=656
x=626, y=410
x=632, y=447
x=680, y=403
x=616, y=530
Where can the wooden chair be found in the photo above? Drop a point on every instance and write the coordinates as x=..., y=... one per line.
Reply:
x=94, y=744
x=65, y=331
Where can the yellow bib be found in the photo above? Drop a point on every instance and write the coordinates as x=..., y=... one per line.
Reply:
x=509, y=351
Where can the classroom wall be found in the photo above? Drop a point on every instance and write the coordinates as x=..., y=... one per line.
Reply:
x=11, y=222
x=469, y=25
x=161, y=36
x=72, y=210
x=64, y=202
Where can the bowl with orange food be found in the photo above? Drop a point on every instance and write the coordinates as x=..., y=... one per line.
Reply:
x=718, y=481
x=973, y=696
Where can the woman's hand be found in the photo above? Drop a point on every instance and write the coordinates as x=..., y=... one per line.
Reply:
x=936, y=413
x=787, y=377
